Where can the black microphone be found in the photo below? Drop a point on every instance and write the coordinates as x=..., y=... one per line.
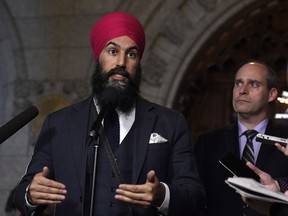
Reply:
x=109, y=99
x=17, y=123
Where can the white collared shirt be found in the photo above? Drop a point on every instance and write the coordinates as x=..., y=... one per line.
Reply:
x=125, y=121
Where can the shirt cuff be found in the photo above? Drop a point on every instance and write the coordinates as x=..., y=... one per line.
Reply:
x=163, y=209
x=28, y=202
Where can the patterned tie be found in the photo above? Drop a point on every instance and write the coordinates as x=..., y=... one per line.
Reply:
x=248, y=153
x=112, y=129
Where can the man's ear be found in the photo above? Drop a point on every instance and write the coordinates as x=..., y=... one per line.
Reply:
x=273, y=93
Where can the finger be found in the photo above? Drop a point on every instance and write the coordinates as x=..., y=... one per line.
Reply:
x=134, y=192
x=129, y=194
x=53, y=184
x=137, y=193
x=44, y=190
x=151, y=176
x=265, y=178
x=42, y=179
x=132, y=188
x=254, y=168
x=46, y=198
x=134, y=201
x=280, y=147
x=35, y=188
x=41, y=194
x=45, y=172
x=138, y=198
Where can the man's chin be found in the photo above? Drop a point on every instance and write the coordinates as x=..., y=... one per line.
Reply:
x=118, y=84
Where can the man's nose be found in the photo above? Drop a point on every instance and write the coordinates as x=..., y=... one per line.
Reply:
x=243, y=89
x=121, y=61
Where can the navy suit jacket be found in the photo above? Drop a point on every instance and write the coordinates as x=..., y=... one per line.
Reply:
x=61, y=147
x=211, y=146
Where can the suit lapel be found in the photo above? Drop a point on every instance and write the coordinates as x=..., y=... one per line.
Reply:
x=144, y=122
x=79, y=135
x=232, y=139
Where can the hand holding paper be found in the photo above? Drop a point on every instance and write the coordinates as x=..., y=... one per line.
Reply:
x=250, y=188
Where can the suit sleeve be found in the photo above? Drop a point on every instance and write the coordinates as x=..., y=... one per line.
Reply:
x=186, y=189
x=40, y=158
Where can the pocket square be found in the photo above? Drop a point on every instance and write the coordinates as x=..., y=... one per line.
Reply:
x=156, y=138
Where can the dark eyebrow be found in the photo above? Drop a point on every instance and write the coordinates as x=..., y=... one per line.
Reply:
x=117, y=45
x=111, y=43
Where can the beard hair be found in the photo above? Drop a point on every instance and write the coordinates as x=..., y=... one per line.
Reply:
x=127, y=89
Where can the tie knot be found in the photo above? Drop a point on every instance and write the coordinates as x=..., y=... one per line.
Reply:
x=250, y=134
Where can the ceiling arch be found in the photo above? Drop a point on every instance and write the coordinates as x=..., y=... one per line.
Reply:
x=175, y=34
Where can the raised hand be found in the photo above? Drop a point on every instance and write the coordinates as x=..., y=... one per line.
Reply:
x=151, y=193
x=43, y=190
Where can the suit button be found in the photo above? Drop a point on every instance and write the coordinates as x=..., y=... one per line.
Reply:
x=111, y=204
x=112, y=189
x=245, y=206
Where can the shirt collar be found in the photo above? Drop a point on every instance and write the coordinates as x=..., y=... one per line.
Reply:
x=260, y=128
x=125, y=120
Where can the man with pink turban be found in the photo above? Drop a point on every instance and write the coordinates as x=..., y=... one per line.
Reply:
x=150, y=145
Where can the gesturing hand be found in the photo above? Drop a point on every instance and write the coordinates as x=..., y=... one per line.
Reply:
x=43, y=190
x=146, y=195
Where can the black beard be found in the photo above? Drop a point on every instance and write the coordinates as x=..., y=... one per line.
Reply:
x=128, y=89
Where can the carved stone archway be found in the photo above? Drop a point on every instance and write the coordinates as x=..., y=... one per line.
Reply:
x=259, y=31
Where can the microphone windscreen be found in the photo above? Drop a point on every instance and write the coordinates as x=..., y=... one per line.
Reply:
x=17, y=123
x=110, y=96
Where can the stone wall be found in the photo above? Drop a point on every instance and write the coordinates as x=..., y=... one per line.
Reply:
x=46, y=59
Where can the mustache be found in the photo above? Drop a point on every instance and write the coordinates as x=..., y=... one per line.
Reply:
x=120, y=71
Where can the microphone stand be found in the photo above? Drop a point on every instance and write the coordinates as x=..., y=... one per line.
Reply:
x=99, y=137
x=91, y=211
x=110, y=96
x=95, y=135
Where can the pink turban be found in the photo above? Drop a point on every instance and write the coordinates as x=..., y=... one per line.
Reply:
x=113, y=25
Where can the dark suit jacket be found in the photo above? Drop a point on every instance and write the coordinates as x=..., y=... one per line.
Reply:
x=278, y=209
x=211, y=146
x=61, y=143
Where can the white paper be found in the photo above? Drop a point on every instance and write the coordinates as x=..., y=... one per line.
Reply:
x=250, y=188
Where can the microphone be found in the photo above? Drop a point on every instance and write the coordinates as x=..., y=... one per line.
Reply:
x=109, y=99
x=17, y=123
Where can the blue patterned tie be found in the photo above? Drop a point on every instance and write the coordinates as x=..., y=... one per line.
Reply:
x=112, y=129
x=248, y=153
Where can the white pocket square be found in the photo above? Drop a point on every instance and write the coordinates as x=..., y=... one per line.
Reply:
x=157, y=138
